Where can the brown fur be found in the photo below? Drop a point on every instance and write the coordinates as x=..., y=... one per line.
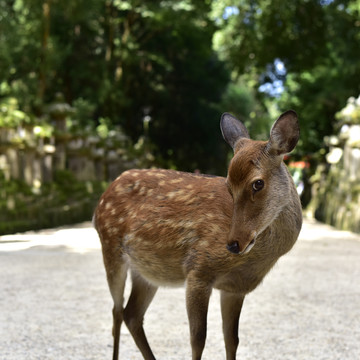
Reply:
x=171, y=227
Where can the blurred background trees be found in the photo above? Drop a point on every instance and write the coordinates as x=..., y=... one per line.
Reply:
x=163, y=71
x=181, y=63
x=299, y=54
x=124, y=61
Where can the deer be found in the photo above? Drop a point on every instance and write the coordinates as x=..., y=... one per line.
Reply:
x=170, y=228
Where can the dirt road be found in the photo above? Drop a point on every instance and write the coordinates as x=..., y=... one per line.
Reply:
x=55, y=303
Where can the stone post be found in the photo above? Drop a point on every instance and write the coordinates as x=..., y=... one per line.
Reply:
x=58, y=112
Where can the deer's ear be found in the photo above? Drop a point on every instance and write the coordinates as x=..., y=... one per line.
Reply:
x=284, y=134
x=232, y=129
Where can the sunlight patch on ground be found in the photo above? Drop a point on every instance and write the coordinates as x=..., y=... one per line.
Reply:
x=81, y=238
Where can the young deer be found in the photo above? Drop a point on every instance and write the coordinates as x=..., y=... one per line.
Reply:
x=170, y=227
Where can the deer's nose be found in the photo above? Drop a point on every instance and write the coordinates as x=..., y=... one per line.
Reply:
x=233, y=247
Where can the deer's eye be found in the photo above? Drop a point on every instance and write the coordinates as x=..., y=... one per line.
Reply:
x=258, y=185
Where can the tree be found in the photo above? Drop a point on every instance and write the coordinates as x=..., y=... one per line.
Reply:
x=311, y=39
x=130, y=58
x=165, y=68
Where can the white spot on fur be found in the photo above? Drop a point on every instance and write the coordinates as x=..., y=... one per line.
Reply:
x=203, y=243
x=176, y=181
x=128, y=238
x=172, y=194
x=133, y=215
x=120, y=190
x=186, y=196
x=113, y=231
x=108, y=225
x=182, y=196
x=191, y=200
x=159, y=175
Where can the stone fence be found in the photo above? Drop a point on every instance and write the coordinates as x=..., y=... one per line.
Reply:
x=52, y=175
x=336, y=184
x=48, y=181
x=34, y=159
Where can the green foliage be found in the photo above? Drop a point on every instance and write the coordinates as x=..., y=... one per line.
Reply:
x=240, y=100
x=312, y=39
x=10, y=115
x=104, y=128
x=121, y=60
x=84, y=111
x=255, y=33
x=181, y=63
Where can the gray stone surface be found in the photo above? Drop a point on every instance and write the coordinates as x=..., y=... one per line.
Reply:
x=55, y=303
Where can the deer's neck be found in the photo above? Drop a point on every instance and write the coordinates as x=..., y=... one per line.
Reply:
x=274, y=242
x=283, y=232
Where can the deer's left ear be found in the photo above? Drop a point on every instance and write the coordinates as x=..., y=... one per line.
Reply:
x=232, y=129
x=284, y=134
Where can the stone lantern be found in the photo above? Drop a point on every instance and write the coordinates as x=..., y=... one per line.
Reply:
x=58, y=112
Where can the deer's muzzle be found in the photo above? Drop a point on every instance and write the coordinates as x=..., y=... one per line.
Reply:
x=236, y=248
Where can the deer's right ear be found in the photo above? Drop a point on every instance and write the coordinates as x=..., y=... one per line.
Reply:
x=284, y=134
x=232, y=129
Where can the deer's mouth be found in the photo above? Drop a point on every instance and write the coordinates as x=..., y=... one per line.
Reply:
x=250, y=246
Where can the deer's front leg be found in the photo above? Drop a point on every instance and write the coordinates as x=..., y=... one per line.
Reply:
x=197, y=301
x=231, y=305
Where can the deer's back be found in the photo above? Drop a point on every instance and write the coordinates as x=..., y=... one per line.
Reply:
x=165, y=222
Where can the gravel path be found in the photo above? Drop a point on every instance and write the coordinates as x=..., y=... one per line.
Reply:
x=55, y=303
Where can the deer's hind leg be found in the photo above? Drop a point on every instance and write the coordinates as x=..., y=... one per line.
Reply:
x=116, y=272
x=142, y=293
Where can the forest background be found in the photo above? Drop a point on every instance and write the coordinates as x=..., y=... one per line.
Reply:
x=162, y=72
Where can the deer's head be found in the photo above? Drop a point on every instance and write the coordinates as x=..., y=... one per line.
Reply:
x=257, y=177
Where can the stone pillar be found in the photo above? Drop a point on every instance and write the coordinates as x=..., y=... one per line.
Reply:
x=58, y=112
